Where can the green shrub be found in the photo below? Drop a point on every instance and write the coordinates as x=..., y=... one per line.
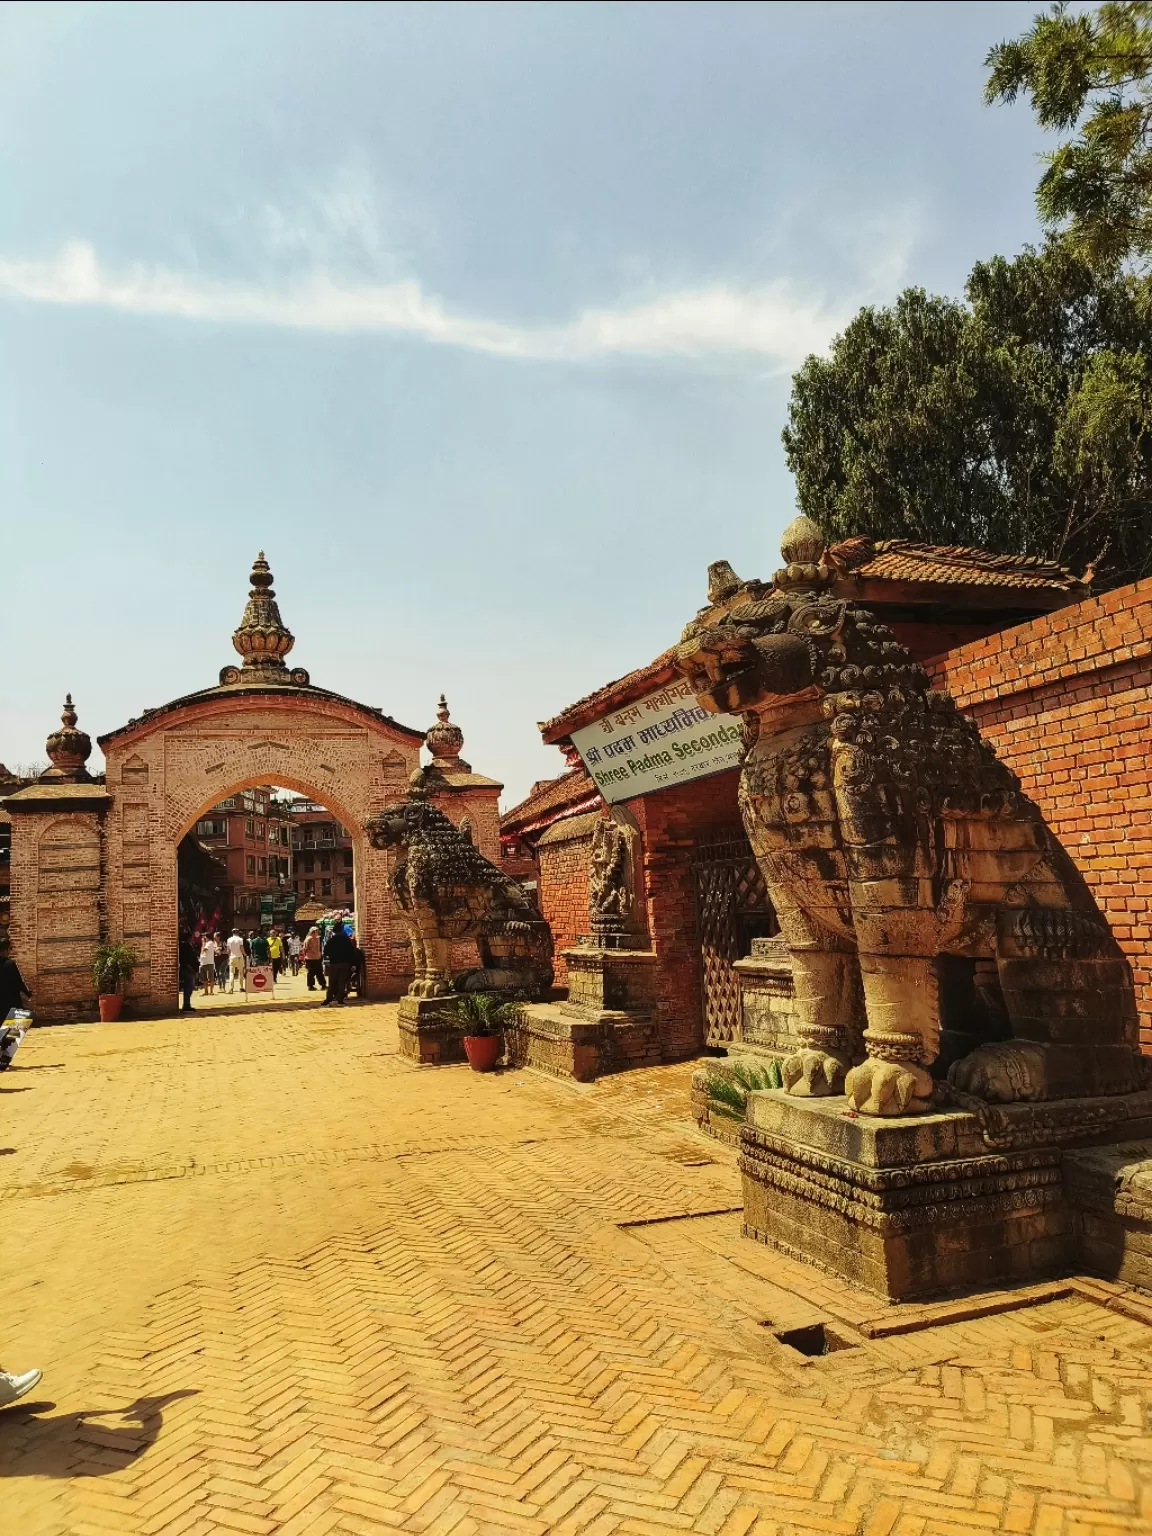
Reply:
x=728, y=1096
x=113, y=964
x=479, y=1013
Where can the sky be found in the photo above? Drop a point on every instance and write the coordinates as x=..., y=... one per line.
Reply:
x=478, y=319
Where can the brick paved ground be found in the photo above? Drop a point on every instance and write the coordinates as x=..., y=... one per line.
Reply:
x=282, y=1281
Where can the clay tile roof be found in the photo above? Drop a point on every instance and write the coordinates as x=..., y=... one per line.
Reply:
x=949, y=565
x=633, y=685
x=569, y=795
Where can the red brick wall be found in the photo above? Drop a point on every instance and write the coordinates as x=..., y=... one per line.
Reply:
x=1067, y=701
x=672, y=822
x=563, y=853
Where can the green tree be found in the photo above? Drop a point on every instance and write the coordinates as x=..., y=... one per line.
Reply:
x=1091, y=72
x=1018, y=421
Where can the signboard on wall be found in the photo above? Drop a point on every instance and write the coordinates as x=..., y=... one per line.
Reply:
x=660, y=740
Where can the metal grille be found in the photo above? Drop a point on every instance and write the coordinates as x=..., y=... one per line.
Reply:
x=732, y=908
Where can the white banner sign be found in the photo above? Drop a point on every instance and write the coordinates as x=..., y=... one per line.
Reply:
x=258, y=979
x=661, y=740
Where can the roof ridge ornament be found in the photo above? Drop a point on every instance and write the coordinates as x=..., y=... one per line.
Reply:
x=803, y=547
x=262, y=638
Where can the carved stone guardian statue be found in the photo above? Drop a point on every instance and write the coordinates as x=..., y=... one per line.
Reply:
x=890, y=835
x=447, y=890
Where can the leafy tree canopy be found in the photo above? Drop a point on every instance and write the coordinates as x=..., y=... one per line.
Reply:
x=1020, y=420
x=1092, y=72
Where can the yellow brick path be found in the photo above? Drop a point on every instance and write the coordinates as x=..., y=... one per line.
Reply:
x=280, y=1280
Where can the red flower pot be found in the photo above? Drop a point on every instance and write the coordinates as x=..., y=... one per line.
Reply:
x=110, y=1006
x=482, y=1051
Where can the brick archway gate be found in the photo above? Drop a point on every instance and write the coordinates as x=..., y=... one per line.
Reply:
x=165, y=771
x=94, y=861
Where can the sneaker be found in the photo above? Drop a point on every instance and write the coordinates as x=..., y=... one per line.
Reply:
x=12, y=1387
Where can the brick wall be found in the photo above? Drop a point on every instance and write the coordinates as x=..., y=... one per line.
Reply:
x=564, y=852
x=1067, y=702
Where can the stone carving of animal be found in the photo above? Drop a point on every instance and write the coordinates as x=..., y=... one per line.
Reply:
x=447, y=890
x=905, y=863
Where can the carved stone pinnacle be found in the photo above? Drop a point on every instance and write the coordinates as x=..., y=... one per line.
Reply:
x=68, y=749
x=262, y=639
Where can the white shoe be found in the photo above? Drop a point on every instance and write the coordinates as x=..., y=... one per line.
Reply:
x=12, y=1387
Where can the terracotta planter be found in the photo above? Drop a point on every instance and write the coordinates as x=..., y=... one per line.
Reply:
x=110, y=1006
x=482, y=1051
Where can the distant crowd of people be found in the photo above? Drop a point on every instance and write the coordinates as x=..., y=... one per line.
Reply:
x=334, y=965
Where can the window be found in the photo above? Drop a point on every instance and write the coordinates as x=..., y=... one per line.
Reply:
x=325, y=887
x=226, y=805
x=309, y=863
x=347, y=858
x=249, y=828
x=250, y=865
x=212, y=827
x=347, y=885
x=325, y=861
x=262, y=866
x=260, y=830
x=309, y=887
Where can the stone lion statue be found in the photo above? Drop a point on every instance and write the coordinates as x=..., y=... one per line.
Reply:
x=447, y=890
x=905, y=864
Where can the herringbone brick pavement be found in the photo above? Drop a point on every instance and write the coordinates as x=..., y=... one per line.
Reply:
x=282, y=1281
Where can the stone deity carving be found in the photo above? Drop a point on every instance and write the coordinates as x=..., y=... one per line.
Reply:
x=890, y=836
x=447, y=890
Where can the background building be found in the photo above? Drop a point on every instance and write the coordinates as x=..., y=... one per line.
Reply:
x=251, y=834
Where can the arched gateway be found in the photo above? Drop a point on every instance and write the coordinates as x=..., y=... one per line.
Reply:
x=94, y=860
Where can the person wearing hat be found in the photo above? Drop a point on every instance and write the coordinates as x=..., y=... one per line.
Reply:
x=311, y=954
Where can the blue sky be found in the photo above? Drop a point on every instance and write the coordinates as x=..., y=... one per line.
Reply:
x=478, y=319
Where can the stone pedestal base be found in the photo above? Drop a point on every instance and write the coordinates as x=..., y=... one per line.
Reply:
x=906, y=1207
x=1110, y=1191
x=558, y=1040
x=424, y=1035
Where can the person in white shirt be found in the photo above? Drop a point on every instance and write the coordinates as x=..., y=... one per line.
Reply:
x=294, y=948
x=207, y=966
x=235, y=961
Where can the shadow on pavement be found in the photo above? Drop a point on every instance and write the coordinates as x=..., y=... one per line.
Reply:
x=71, y=1445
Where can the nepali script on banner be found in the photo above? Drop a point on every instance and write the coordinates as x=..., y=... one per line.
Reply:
x=661, y=740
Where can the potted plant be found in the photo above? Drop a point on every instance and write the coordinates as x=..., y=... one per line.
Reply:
x=480, y=1018
x=112, y=964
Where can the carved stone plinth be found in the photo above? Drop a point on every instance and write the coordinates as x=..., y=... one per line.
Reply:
x=1110, y=1192
x=768, y=1020
x=607, y=1024
x=609, y=981
x=549, y=1036
x=425, y=1034
x=907, y=1206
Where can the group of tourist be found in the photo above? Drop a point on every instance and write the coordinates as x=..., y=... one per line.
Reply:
x=335, y=966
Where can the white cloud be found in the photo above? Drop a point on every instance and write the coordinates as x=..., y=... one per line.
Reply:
x=771, y=320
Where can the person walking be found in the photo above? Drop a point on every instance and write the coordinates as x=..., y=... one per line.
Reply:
x=313, y=964
x=237, y=963
x=207, y=966
x=221, y=961
x=14, y=1385
x=258, y=948
x=189, y=966
x=340, y=953
x=276, y=951
x=294, y=948
x=13, y=988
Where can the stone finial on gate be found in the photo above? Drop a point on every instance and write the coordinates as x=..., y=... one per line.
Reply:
x=68, y=749
x=262, y=638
